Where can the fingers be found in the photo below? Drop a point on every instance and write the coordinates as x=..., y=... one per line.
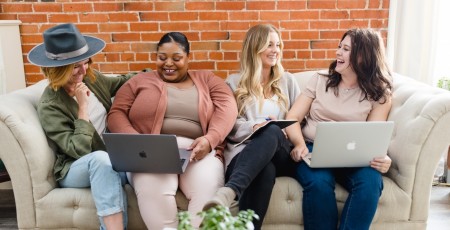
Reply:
x=381, y=164
x=200, y=148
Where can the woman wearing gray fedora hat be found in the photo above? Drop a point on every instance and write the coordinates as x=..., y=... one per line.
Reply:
x=73, y=110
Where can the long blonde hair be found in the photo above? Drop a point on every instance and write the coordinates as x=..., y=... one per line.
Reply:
x=249, y=88
x=59, y=76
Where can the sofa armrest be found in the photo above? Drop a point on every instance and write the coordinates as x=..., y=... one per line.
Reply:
x=421, y=114
x=25, y=151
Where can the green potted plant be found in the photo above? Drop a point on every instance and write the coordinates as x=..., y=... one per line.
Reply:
x=219, y=218
x=444, y=83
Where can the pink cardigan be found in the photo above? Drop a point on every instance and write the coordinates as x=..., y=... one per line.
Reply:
x=140, y=104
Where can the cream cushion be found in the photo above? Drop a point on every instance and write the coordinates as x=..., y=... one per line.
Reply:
x=422, y=126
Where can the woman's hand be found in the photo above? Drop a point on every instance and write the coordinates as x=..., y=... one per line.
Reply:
x=200, y=148
x=298, y=152
x=82, y=93
x=381, y=164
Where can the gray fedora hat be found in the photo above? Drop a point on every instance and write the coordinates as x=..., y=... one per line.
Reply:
x=63, y=45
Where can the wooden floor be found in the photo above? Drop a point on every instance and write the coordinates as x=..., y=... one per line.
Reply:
x=439, y=215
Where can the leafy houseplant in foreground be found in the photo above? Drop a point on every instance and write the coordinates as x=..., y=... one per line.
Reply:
x=219, y=218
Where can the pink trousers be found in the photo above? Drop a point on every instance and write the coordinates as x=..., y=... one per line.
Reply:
x=156, y=192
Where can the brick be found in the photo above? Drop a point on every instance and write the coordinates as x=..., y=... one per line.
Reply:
x=366, y=14
x=291, y=5
x=78, y=7
x=351, y=4
x=139, y=6
x=375, y=4
x=28, y=29
x=144, y=26
x=33, y=38
x=47, y=7
x=16, y=7
x=183, y=16
x=94, y=17
x=324, y=25
x=228, y=65
x=318, y=54
x=305, y=15
x=108, y=7
x=123, y=37
x=289, y=54
x=305, y=34
x=334, y=14
x=231, y=5
x=143, y=47
x=228, y=46
x=202, y=65
x=222, y=74
x=215, y=55
x=152, y=37
x=296, y=44
x=142, y=57
x=227, y=25
x=304, y=54
x=200, y=6
x=192, y=36
x=199, y=55
x=112, y=57
x=215, y=35
x=127, y=57
x=117, y=47
x=32, y=18
x=322, y=4
x=113, y=67
x=317, y=64
x=332, y=34
x=63, y=18
x=174, y=26
x=274, y=15
x=113, y=27
x=378, y=23
x=208, y=16
x=324, y=44
x=140, y=66
x=293, y=64
x=124, y=17
x=205, y=46
x=205, y=26
x=348, y=24
x=230, y=56
x=8, y=16
x=154, y=16
x=244, y=15
x=261, y=5
x=88, y=28
x=295, y=25
x=169, y=6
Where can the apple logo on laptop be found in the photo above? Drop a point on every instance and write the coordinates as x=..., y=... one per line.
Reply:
x=351, y=145
x=143, y=154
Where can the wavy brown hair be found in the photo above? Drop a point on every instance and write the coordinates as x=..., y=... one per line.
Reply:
x=59, y=76
x=367, y=58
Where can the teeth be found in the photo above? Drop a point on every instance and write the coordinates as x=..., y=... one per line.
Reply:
x=170, y=70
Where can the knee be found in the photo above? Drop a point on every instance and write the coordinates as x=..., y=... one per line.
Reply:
x=315, y=181
x=274, y=131
x=100, y=159
x=371, y=183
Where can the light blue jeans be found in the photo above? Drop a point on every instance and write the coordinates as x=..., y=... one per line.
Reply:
x=364, y=186
x=94, y=170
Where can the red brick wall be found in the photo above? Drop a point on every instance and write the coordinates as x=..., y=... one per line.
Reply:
x=311, y=29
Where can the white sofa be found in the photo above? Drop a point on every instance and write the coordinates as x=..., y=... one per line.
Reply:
x=422, y=126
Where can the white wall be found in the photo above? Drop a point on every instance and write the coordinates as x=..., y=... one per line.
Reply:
x=12, y=75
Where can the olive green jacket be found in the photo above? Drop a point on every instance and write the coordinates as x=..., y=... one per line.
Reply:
x=58, y=114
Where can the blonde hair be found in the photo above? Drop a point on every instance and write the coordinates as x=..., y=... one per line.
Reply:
x=59, y=76
x=249, y=88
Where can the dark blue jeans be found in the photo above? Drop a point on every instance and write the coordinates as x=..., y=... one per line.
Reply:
x=363, y=184
x=251, y=173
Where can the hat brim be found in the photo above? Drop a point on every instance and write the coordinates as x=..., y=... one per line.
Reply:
x=37, y=55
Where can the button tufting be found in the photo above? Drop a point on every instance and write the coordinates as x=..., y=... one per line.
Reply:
x=75, y=207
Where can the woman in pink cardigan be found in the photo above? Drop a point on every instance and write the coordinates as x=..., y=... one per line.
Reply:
x=198, y=107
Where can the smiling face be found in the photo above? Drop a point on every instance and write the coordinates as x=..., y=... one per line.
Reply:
x=343, y=52
x=172, y=62
x=79, y=71
x=270, y=55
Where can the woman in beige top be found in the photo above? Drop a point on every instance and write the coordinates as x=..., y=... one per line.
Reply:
x=356, y=88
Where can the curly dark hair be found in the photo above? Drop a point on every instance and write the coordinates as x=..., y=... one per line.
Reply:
x=367, y=58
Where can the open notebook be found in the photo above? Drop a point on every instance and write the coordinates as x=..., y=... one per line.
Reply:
x=281, y=123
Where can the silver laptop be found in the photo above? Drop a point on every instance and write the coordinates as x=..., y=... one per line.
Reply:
x=349, y=144
x=151, y=153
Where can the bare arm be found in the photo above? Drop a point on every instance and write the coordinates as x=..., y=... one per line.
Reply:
x=298, y=111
